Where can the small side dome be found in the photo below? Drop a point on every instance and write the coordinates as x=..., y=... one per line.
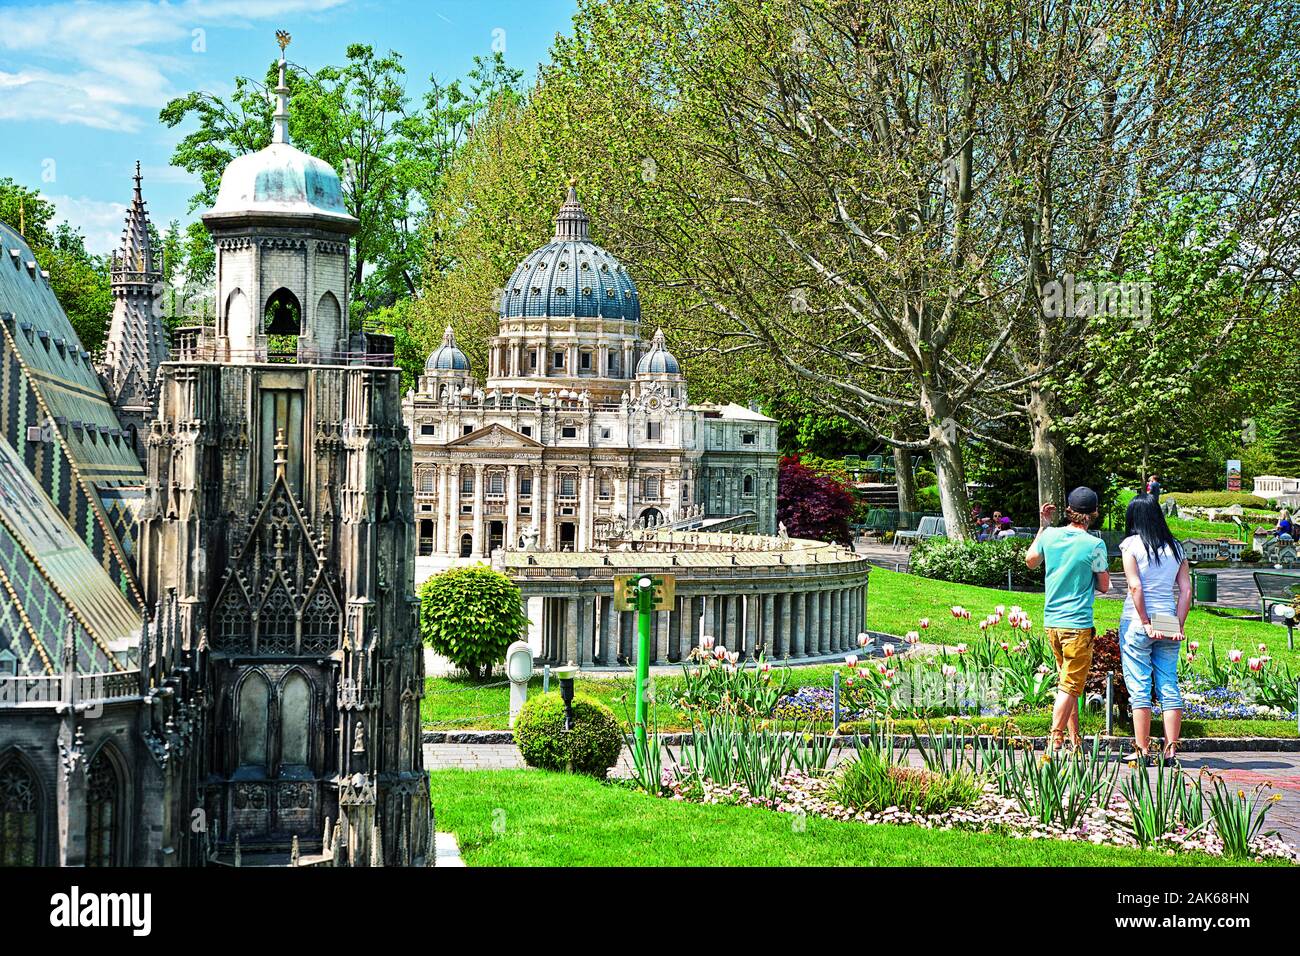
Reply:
x=658, y=361
x=447, y=357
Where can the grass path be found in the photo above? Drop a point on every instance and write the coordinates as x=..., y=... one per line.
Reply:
x=534, y=818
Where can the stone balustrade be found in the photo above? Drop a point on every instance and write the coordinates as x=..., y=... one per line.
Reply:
x=784, y=598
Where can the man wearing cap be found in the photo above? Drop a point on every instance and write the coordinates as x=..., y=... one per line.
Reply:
x=1076, y=565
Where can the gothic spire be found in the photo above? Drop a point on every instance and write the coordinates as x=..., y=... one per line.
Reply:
x=137, y=342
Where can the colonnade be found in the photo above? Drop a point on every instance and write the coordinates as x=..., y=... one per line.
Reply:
x=587, y=629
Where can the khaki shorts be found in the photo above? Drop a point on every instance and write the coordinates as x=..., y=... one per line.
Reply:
x=1073, y=649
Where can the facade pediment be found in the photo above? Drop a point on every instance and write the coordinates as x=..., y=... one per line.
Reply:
x=494, y=436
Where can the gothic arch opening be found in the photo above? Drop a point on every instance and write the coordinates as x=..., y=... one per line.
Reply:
x=105, y=808
x=238, y=323
x=22, y=820
x=254, y=696
x=282, y=321
x=295, y=721
x=328, y=326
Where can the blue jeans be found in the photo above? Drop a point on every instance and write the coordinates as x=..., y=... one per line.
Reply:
x=1146, y=662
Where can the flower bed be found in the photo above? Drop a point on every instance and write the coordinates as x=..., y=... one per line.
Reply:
x=1111, y=825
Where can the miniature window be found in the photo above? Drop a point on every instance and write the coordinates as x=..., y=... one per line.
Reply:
x=653, y=431
x=749, y=438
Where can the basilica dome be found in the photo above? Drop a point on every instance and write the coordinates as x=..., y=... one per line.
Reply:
x=447, y=357
x=571, y=276
x=658, y=361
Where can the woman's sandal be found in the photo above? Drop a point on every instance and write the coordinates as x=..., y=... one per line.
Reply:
x=1138, y=756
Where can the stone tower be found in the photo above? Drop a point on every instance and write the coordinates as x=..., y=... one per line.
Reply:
x=279, y=534
x=137, y=341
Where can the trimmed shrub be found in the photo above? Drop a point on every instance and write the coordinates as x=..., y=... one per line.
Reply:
x=591, y=747
x=984, y=563
x=1217, y=499
x=470, y=616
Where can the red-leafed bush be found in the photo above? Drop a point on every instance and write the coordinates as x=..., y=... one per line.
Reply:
x=812, y=504
x=1106, y=658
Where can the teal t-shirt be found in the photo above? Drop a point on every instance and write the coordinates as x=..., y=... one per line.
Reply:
x=1070, y=556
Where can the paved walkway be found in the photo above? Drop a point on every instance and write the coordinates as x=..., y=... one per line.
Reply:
x=1244, y=769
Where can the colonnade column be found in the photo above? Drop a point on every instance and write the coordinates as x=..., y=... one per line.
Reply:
x=587, y=630
x=446, y=507
x=767, y=624
x=824, y=642
x=608, y=631
x=549, y=499
x=688, y=640
x=751, y=625
x=795, y=644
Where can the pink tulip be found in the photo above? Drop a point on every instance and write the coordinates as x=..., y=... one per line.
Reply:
x=1004, y=645
x=957, y=610
x=889, y=650
x=961, y=648
x=864, y=640
x=984, y=625
x=864, y=673
x=733, y=657
x=912, y=637
x=1025, y=625
x=766, y=668
x=1000, y=609
x=1193, y=646
x=1255, y=664
x=1263, y=648
x=848, y=682
x=706, y=642
x=851, y=660
x=1234, y=656
x=949, y=670
x=924, y=623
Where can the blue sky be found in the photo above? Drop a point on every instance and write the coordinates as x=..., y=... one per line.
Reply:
x=81, y=83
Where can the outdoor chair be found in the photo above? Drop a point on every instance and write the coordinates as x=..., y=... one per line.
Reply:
x=1276, y=587
x=927, y=528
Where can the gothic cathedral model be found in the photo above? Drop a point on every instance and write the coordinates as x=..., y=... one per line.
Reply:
x=269, y=708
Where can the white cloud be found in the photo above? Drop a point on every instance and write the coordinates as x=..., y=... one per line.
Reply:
x=100, y=222
x=106, y=65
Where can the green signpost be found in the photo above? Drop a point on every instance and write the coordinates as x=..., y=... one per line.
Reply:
x=643, y=594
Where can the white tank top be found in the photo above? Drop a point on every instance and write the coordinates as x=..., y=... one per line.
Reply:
x=1158, y=577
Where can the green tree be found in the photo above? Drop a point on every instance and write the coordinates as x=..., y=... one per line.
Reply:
x=80, y=281
x=471, y=615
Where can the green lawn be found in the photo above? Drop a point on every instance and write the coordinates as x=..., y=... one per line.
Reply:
x=896, y=601
x=895, y=605
x=535, y=818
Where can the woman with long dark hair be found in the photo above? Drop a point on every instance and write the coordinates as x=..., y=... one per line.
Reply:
x=1154, y=564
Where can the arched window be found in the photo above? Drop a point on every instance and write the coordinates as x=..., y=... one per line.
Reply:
x=295, y=722
x=466, y=545
x=426, y=536
x=426, y=481
x=282, y=321
x=20, y=813
x=103, y=811
x=749, y=486
x=254, y=695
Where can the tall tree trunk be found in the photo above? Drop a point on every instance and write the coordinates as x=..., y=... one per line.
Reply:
x=1046, y=448
x=905, y=479
x=949, y=467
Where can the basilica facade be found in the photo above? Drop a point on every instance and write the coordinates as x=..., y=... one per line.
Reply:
x=581, y=429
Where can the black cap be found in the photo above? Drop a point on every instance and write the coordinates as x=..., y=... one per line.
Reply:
x=1083, y=500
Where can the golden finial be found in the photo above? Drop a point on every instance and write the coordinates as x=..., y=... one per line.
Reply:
x=282, y=37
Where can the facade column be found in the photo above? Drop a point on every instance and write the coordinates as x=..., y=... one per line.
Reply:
x=675, y=629
x=586, y=629
x=585, y=499
x=731, y=621
x=659, y=637
x=548, y=535
x=708, y=627
x=751, y=625
x=536, y=502
x=480, y=544
x=767, y=625
x=512, y=507
x=445, y=508
x=626, y=635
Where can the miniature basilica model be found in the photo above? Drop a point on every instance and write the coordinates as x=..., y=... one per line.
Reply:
x=582, y=430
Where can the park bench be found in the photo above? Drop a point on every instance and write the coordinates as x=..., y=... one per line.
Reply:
x=1276, y=587
x=879, y=521
x=929, y=527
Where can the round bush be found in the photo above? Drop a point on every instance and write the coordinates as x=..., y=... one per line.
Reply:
x=591, y=747
x=470, y=616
